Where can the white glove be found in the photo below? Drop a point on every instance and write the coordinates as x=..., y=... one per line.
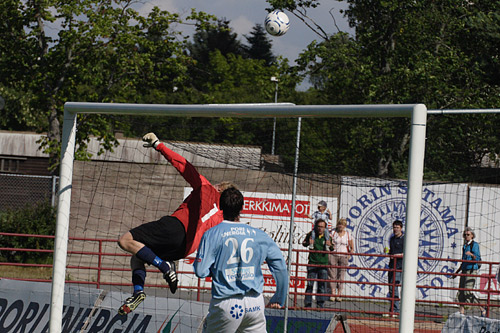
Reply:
x=151, y=140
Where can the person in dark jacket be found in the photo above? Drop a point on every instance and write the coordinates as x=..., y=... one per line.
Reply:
x=396, y=247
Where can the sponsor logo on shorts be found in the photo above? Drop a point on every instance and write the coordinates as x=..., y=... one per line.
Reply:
x=236, y=311
x=252, y=309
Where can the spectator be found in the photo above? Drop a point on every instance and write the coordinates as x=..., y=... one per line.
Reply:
x=470, y=251
x=342, y=245
x=323, y=213
x=319, y=260
x=396, y=246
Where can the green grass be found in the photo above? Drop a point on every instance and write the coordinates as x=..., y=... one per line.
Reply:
x=13, y=272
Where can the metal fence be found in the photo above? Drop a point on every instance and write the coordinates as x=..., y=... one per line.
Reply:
x=102, y=271
x=17, y=191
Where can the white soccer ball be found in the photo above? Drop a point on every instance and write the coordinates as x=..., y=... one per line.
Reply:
x=277, y=23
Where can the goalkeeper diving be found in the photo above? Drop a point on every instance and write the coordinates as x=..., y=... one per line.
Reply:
x=160, y=243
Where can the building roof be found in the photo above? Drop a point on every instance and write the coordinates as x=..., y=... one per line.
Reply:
x=25, y=144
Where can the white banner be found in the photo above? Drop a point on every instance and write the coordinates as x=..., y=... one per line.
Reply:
x=24, y=307
x=484, y=218
x=370, y=207
x=458, y=323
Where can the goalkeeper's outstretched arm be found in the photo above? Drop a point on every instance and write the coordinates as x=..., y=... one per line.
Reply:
x=186, y=169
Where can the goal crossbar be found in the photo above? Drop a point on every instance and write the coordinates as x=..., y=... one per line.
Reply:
x=258, y=110
x=417, y=112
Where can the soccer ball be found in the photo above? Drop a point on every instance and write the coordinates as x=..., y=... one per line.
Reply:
x=277, y=23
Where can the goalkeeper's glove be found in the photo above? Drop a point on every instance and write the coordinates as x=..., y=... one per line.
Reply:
x=151, y=140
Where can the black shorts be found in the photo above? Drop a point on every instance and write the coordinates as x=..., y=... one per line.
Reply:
x=165, y=237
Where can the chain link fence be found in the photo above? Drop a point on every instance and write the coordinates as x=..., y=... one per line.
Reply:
x=17, y=191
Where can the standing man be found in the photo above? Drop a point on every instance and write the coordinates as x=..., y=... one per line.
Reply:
x=396, y=247
x=318, y=264
x=232, y=254
x=173, y=237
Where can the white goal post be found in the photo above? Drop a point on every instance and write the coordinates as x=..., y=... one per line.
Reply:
x=417, y=112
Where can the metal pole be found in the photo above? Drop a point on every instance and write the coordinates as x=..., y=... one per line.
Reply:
x=62, y=226
x=54, y=187
x=292, y=220
x=274, y=79
x=413, y=207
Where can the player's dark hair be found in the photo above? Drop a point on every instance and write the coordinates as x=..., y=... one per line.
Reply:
x=231, y=203
x=397, y=222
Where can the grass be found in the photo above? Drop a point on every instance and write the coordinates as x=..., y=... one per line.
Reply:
x=13, y=272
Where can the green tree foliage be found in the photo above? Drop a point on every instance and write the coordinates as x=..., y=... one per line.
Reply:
x=442, y=54
x=260, y=47
x=215, y=37
x=38, y=219
x=103, y=52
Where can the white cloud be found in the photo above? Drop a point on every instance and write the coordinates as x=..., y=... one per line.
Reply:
x=145, y=7
x=242, y=25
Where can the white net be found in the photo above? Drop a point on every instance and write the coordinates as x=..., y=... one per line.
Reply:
x=118, y=191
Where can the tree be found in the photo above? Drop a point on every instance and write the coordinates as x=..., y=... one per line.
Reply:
x=104, y=51
x=210, y=38
x=206, y=40
x=259, y=45
x=409, y=52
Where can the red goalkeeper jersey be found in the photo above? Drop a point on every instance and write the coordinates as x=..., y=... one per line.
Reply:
x=200, y=210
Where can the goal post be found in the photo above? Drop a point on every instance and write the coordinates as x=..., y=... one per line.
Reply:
x=417, y=112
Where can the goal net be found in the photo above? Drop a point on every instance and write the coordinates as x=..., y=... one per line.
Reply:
x=132, y=185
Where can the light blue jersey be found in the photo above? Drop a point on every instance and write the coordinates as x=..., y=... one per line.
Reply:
x=232, y=253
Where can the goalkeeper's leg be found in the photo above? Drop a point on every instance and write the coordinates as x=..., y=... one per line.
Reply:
x=142, y=252
x=131, y=303
x=153, y=241
x=138, y=280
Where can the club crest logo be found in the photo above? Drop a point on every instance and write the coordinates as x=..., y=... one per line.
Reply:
x=370, y=217
x=375, y=230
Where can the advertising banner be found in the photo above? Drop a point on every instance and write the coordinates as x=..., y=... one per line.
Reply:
x=25, y=307
x=371, y=206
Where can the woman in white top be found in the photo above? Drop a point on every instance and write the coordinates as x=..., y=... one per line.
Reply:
x=343, y=245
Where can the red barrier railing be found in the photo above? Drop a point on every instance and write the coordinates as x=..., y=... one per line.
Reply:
x=297, y=282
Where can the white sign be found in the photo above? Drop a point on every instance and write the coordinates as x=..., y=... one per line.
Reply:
x=484, y=218
x=371, y=206
x=459, y=323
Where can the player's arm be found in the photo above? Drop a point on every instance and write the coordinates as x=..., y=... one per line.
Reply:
x=277, y=265
x=186, y=169
x=204, y=257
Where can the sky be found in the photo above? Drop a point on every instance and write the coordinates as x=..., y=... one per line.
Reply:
x=244, y=14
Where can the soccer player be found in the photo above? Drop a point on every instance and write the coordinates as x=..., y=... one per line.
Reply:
x=173, y=237
x=232, y=253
